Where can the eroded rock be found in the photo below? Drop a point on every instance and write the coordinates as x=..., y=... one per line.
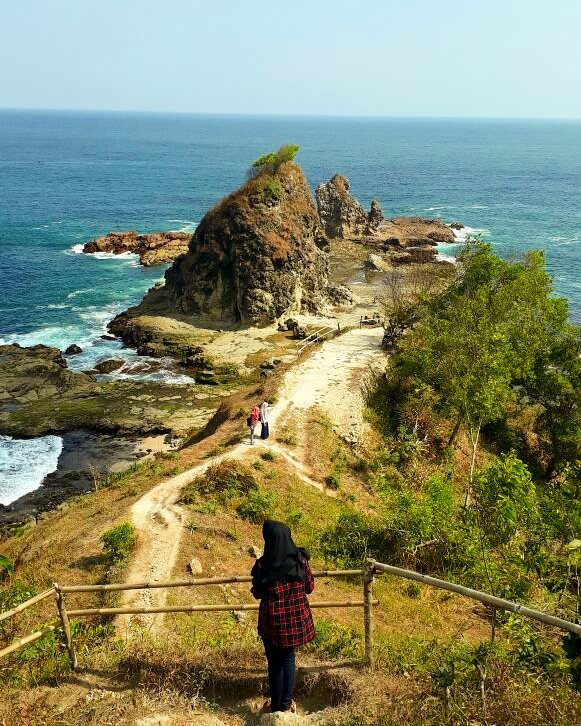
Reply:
x=153, y=249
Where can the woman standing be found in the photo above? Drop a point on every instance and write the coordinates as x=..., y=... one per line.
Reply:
x=282, y=579
x=252, y=420
x=264, y=432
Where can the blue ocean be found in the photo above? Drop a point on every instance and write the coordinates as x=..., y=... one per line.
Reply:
x=68, y=177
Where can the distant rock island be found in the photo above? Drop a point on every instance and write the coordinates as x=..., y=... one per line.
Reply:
x=155, y=248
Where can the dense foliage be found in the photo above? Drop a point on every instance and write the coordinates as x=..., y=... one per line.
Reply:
x=480, y=462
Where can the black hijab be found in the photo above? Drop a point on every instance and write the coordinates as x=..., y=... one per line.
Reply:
x=282, y=559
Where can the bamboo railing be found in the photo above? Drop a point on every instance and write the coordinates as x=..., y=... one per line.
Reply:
x=371, y=570
x=483, y=597
x=58, y=592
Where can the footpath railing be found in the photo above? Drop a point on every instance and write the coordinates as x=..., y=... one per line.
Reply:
x=371, y=571
x=328, y=331
x=58, y=592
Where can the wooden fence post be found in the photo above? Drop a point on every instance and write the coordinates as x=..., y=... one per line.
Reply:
x=60, y=604
x=368, y=613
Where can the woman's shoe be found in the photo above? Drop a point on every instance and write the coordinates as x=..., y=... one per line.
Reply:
x=266, y=706
x=293, y=707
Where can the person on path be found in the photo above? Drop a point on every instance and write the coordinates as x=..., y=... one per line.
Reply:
x=281, y=580
x=264, y=432
x=252, y=420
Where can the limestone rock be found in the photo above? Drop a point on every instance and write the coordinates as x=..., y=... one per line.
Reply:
x=253, y=257
x=340, y=295
x=457, y=225
x=376, y=262
x=153, y=249
x=195, y=566
x=341, y=214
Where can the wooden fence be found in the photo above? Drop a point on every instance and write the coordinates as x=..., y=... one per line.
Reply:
x=372, y=570
x=367, y=602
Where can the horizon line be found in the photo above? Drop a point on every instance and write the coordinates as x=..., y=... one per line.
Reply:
x=237, y=114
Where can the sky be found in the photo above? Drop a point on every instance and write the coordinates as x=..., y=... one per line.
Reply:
x=442, y=58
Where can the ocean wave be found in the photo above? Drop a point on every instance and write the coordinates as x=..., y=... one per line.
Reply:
x=76, y=249
x=187, y=225
x=24, y=463
x=462, y=234
x=75, y=293
x=441, y=257
x=113, y=256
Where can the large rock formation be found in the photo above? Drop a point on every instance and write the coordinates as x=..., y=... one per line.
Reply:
x=258, y=254
x=341, y=214
x=153, y=249
x=343, y=217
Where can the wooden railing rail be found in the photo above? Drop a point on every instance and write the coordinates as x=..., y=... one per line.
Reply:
x=27, y=604
x=59, y=591
x=189, y=583
x=483, y=597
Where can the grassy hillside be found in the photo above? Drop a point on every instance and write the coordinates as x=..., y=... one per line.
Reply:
x=401, y=496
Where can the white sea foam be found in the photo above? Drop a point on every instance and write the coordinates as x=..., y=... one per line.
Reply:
x=76, y=249
x=113, y=256
x=441, y=257
x=75, y=293
x=24, y=463
x=462, y=234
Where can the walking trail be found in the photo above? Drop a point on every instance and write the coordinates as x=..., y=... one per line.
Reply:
x=330, y=378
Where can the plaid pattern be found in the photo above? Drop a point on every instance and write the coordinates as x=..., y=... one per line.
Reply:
x=284, y=616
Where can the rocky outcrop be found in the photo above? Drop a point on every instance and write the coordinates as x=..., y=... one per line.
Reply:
x=259, y=253
x=342, y=216
x=153, y=249
x=40, y=395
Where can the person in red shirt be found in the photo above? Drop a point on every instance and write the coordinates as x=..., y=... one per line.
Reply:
x=281, y=580
x=252, y=420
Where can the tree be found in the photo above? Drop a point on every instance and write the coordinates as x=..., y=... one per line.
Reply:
x=270, y=163
x=485, y=337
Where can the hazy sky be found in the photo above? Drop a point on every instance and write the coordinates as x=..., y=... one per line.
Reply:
x=360, y=57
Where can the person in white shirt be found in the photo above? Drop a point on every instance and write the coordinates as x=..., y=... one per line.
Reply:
x=264, y=433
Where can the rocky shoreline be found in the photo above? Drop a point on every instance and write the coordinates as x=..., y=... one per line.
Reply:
x=260, y=255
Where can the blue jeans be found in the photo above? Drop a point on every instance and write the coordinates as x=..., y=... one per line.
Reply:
x=281, y=675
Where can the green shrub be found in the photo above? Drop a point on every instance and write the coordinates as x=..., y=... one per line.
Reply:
x=270, y=163
x=119, y=541
x=257, y=505
x=271, y=189
x=6, y=565
x=333, y=480
x=224, y=481
x=267, y=455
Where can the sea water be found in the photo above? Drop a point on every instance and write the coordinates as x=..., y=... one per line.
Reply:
x=68, y=177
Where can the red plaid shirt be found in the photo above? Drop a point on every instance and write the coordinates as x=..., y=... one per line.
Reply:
x=284, y=616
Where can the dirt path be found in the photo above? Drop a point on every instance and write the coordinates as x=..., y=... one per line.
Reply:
x=329, y=379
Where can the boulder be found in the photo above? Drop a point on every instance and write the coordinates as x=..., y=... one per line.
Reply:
x=376, y=262
x=340, y=295
x=108, y=366
x=268, y=365
x=73, y=349
x=195, y=566
x=457, y=225
x=206, y=377
x=254, y=551
x=153, y=249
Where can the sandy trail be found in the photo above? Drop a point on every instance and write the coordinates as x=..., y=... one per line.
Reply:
x=328, y=379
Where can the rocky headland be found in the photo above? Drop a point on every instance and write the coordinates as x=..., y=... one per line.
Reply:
x=262, y=254
x=155, y=248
